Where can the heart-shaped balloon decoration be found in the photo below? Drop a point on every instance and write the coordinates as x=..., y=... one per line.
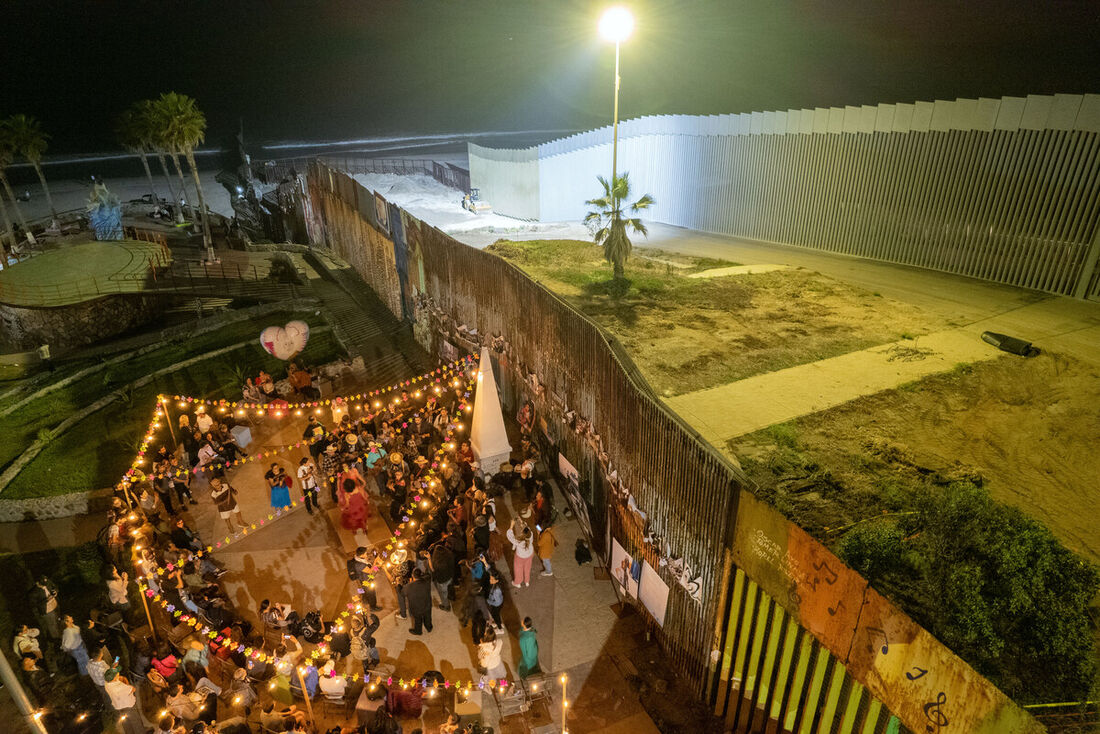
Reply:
x=283, y=342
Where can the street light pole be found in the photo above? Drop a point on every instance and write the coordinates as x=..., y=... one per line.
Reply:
x=616, y=25
x=615, y=126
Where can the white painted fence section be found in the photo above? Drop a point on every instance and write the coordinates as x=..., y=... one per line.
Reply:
x=1005, y=189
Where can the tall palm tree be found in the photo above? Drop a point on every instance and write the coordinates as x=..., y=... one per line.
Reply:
x=151, y=131
x=30, y=141
x=6, y=235
x=7, y=155
x=184, y=128
x=607, y=224
x=131, y=134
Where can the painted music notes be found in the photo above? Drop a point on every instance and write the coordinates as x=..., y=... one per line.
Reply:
x=934, y=713
x=833, y=610
x=921, y=674
x=872, y=632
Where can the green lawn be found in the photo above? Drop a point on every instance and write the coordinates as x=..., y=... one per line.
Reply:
x=72, y=462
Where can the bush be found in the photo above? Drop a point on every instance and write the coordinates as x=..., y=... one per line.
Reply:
x=1005, y=594
x=873, y=549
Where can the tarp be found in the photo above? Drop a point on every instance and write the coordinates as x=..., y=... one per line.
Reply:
x=488, y=438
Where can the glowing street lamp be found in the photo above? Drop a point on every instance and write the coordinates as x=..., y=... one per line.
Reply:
x=616, y=25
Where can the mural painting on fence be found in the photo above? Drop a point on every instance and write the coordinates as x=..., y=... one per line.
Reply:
x=917, y=677
x=921, y=680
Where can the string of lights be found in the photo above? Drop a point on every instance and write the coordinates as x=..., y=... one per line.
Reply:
x=419, y=503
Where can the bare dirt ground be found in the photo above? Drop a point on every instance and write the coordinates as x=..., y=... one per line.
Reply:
x=688, y=334
x=1028, y=428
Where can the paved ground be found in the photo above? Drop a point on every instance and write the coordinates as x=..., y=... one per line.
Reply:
x=299, y=560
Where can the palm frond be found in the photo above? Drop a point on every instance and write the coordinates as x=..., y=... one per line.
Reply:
x=643, y=203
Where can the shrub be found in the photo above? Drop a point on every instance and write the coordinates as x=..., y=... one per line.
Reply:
x=1006, y=595
x=873, y=549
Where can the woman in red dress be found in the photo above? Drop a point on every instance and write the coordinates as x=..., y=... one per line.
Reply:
x=354, y=509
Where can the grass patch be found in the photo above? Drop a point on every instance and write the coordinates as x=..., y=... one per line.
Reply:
x=72, y=463
x=686, y=334
x=21, y=426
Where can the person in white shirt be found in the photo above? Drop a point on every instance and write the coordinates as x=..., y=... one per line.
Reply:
x=488, y=656
x=97, y=670
x=124, y=701
x=26, y=641
x=73, y=643
x=202, y=420
x=116, y=590
x=307, y=477
x=332, y=685
x=524, y=546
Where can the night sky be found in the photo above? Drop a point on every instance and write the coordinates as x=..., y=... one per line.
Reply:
x=331, y=70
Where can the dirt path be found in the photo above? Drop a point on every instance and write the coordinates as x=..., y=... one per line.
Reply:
x=741, y=407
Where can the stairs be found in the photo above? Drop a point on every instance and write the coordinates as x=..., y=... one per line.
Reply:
x=365, y=325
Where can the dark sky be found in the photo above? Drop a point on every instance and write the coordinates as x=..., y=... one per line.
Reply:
x=326, y=70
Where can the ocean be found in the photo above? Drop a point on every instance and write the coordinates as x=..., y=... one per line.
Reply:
x=447, y=147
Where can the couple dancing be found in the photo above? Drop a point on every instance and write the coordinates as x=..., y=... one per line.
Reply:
x=351, y=494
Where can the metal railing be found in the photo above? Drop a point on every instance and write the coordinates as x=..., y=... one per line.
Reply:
x=163, y=277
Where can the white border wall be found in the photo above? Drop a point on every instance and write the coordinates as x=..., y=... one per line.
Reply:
x=1001, y=189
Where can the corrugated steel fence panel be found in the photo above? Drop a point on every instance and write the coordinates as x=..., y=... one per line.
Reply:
x=998, y=189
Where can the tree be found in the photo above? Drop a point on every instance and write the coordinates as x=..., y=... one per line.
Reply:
x=133, y=135
x=31, y=142
x=150, y=130
x=7, y=155
x=6, y=234
x=607, y=224
x=184, y=127
x=1004, y=594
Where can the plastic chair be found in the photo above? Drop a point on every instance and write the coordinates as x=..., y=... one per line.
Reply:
x=341, y=704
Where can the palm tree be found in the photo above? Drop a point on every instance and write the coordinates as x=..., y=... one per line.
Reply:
x=607, y=224
x=7, y=155
x=29, y=140
x=6, y=233
x=184, y=128
x=150, y=128
x=131, y=133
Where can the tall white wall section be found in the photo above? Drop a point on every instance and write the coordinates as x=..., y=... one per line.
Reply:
x=1001, y=189
x=507, y=179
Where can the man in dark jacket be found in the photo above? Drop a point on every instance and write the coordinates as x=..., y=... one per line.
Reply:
x=419, y=596
x=442, y=564
x=44, y=602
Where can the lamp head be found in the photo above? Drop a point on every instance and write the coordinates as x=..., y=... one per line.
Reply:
x=616, y=24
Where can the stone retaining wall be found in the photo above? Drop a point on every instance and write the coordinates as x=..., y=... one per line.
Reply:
x=65, y=327
x=48, y=508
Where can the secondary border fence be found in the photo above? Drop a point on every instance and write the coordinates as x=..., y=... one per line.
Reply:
x=447, y=174
x=1005, y=190
x=763, y=621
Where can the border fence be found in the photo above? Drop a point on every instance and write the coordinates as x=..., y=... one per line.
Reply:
x=1005, y=190
x=763, y=621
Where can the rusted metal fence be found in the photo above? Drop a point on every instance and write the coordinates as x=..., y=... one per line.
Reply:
x=764, y=622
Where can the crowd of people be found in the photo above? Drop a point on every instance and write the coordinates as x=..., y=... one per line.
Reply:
x=403, y=446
